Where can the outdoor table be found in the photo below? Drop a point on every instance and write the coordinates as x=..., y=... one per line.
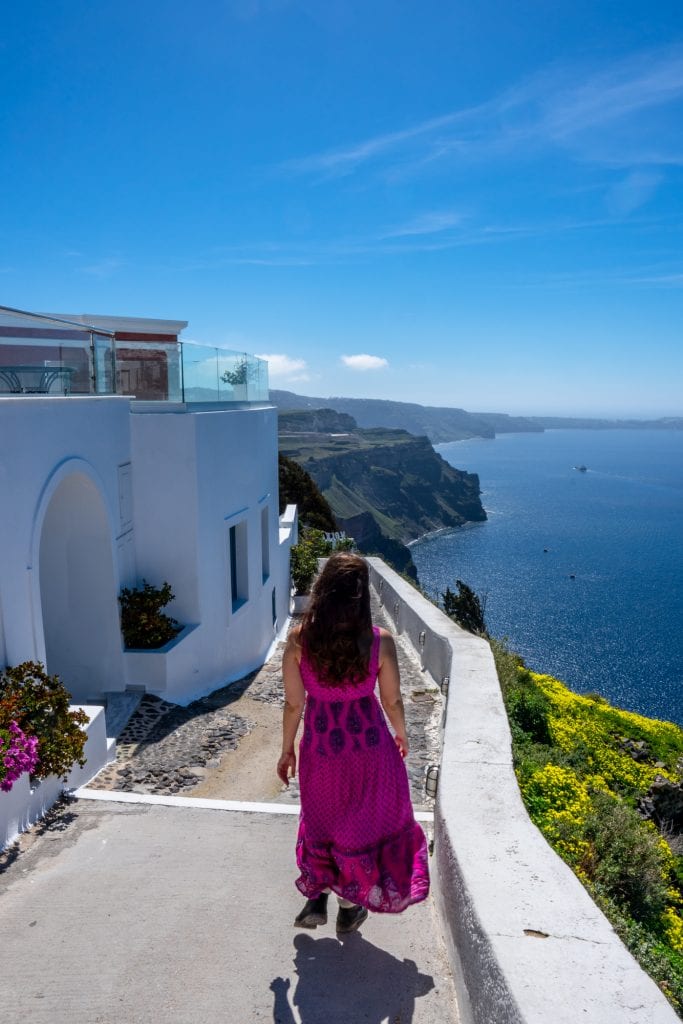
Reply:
x=36, y=380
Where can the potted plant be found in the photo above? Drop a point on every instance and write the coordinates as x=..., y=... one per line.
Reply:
x=303, y=567
x=143, y=624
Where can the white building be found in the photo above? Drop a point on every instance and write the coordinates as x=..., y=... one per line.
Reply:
x=126, y=454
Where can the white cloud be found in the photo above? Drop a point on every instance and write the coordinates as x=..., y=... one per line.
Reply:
x=284, y=367
x=362, y=361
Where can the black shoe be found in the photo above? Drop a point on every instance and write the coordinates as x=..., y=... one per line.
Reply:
x=350, y=918
x=313, y=913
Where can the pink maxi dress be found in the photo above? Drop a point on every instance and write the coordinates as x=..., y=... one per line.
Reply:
x=357, y=832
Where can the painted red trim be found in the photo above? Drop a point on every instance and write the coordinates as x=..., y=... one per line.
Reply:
x=134, y=336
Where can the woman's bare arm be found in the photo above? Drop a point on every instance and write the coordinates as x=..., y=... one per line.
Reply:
x=390, y=690
x=295, y=698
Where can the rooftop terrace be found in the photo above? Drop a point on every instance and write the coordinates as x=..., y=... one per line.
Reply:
x=45, y=354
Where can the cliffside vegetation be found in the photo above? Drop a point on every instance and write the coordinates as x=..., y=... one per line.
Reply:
x=297, y=488
x=604, y=786
x=465, y=607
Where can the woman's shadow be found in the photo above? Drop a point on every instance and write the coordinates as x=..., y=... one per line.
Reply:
x=342, y=982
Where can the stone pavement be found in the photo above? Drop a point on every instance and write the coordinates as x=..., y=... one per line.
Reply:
x=114, y=913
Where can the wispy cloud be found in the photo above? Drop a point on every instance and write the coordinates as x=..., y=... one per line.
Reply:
x=603, y=115
x=103, y=268
x=345, y=161
x=672, y=280
x=425, y=224
x=638, y=83
x=667, y=275
x=633, y=191
x=283, y=367
x=423, y=235
x=364, y=362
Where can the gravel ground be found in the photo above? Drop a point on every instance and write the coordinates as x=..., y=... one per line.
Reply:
x=226, y=745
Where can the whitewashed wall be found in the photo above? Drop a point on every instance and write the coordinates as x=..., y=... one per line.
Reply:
x=59, y=460
x=98, y=494
x=196, y=474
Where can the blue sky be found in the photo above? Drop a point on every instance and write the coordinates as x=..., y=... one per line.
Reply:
x=462, y=204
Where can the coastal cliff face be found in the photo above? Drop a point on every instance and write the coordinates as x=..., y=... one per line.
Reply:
x=386, y=483
x=401, y=481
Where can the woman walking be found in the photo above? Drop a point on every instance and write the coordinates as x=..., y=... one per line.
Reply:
x=357, y=833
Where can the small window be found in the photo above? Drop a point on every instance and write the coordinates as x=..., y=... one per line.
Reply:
x=125, y=497
x=239, y=576
x=273, y=603
x=265, y=545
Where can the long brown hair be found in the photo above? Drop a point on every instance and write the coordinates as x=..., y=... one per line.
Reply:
x=337, y=629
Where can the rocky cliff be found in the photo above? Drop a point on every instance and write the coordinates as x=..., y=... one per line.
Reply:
x=386, y=485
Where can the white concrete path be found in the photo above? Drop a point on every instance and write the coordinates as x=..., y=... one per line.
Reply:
x=127, y=913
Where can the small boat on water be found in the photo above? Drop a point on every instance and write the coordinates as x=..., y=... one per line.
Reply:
x=582, y=468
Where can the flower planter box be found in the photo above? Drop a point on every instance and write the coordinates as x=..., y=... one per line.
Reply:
x=165, y=670
x=26, y=803
x=300, y=603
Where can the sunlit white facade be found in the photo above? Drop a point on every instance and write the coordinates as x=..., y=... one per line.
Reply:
x=102, y=490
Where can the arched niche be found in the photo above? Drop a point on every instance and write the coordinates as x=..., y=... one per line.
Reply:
x=78, y=591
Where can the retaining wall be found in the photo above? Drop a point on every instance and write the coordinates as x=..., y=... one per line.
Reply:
x=526, y=942
x=24, y=805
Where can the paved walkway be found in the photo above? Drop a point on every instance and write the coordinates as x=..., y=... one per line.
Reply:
x=226, y=745
x=133, y=914
x=140, y=913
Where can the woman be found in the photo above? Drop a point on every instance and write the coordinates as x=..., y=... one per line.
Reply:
x=357, y=833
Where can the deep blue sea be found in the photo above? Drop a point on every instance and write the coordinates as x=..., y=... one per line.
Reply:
x=617, y=627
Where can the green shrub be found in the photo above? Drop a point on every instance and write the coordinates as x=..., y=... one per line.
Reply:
x=39, y=704
x=528, y=710
x=344, y=544
x=143, y=624
x=465, y=608
x=303, y=565
x=527, y=706
x=313, y=544
x=627, y=860
x=304, y=558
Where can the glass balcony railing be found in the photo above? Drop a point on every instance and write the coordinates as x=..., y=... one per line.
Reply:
x=219, y=375
x=41, y=355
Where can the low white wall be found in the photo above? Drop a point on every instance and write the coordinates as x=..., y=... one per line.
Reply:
x=527, y=943
x=167, y=671
x=23, y=805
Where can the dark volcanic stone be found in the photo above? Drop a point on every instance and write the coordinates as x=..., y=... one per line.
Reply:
x=663, y=804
